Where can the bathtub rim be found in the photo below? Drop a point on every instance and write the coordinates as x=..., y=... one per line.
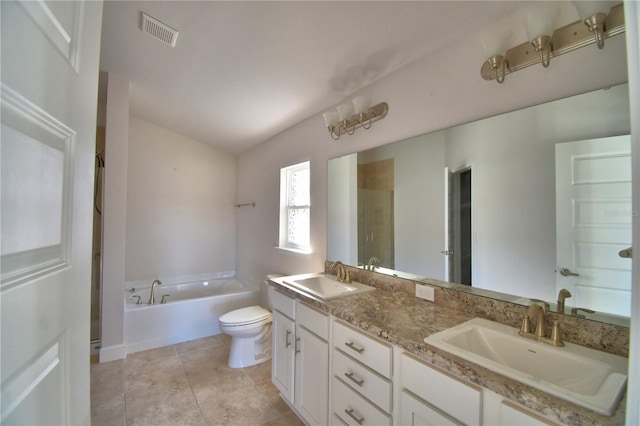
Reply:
x=248, y=287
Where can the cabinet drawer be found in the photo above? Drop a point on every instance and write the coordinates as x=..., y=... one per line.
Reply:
x=375, y=355
x=283, y=303
x=455, y=398
x=353, y=409
x=374, y=387
x=314, y=321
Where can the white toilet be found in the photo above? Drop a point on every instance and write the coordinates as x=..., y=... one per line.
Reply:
x=250, y=331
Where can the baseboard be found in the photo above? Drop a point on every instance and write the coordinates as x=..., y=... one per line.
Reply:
x=166, y=341
x=112, y=353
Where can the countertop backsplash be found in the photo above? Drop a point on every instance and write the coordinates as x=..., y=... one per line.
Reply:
x=601, y=336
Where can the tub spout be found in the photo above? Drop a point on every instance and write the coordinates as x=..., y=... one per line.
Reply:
x=152, y=298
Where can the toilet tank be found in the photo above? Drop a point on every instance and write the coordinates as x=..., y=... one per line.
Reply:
x=265, y=294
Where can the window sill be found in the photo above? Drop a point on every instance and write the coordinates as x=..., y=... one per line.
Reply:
x=294, y=251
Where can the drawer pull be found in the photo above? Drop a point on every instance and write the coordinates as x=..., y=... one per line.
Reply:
x=287, y=343
x=350, y=376
x=296, y=347
x=359, y=420
x=354, y=347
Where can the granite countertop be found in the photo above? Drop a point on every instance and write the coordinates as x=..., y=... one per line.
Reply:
x=404, y=320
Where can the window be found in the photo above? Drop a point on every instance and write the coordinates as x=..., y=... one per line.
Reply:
x=295, y=207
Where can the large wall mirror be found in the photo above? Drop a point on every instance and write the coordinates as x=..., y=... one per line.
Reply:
x=519, y=206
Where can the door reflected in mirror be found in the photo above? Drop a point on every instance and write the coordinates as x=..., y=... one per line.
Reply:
x=511, y=242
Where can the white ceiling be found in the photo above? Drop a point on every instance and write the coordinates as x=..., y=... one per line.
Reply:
x=242, y=72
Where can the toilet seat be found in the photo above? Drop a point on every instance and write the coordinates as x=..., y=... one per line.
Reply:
x=253, y=315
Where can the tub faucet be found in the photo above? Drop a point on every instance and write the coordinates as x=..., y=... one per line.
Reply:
x=152, y=298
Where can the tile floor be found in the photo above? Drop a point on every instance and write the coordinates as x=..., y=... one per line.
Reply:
x=185, y=384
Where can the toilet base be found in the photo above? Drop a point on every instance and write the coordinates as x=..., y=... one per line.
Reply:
x=248, y=351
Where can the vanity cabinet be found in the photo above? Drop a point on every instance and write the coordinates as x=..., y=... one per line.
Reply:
x=432, y=397
x=300, y=363
x=362, y=390
x=372, y=382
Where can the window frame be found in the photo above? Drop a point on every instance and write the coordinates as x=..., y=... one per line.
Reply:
x=285, y=207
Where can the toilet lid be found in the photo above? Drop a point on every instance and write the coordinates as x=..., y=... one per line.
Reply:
x=245, y=315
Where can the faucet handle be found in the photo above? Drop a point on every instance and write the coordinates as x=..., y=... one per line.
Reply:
x=574, y=311
x=526, y=325
x=347, y=276
x=164, y=298
x=556, y=338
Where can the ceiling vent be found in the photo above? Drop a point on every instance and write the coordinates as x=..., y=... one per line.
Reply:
x=159, y=30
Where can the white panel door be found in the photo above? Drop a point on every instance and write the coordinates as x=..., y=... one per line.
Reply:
x=593, y=223
x=50, y=55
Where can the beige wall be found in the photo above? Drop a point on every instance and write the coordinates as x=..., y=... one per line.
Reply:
x=426, y=96
x=180, y=197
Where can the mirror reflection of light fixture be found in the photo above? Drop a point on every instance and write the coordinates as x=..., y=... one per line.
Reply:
x=346, y=121
x=562, y=40
x=539, y=21
x=495, y=47
x=593, y=15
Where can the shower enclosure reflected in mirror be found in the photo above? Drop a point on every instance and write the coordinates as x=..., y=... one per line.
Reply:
x=515, y=252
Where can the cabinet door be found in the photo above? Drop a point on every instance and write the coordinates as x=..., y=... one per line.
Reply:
x=312, y=377
x=415, y=412
x=438, y=388
x=282, y=365
x=511, y=414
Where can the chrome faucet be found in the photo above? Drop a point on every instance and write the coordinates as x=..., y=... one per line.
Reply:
x=371, y=264
x=152, y=298
x=540, y=332
x=341, y=272
x=563, y=294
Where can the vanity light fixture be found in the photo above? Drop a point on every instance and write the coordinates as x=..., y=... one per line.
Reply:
x=539, y=22
x=351, y=116
x=547, y=43
x=593, y=15
x=495, y=46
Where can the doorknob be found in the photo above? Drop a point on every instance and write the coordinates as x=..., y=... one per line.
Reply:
x=567, y=273
x=446, y=252
x=626, y=252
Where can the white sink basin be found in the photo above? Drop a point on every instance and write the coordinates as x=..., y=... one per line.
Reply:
x=325, y=286
x=587, y=377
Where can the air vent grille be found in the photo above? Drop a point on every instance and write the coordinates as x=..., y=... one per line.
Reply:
x=159, y=30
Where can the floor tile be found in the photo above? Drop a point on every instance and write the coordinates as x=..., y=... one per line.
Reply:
x=188, y=383
x=144, y=357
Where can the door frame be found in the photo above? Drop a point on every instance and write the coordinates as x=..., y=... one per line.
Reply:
x=449, y=245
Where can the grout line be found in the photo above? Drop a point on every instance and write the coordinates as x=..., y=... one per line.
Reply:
x=195, y=398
